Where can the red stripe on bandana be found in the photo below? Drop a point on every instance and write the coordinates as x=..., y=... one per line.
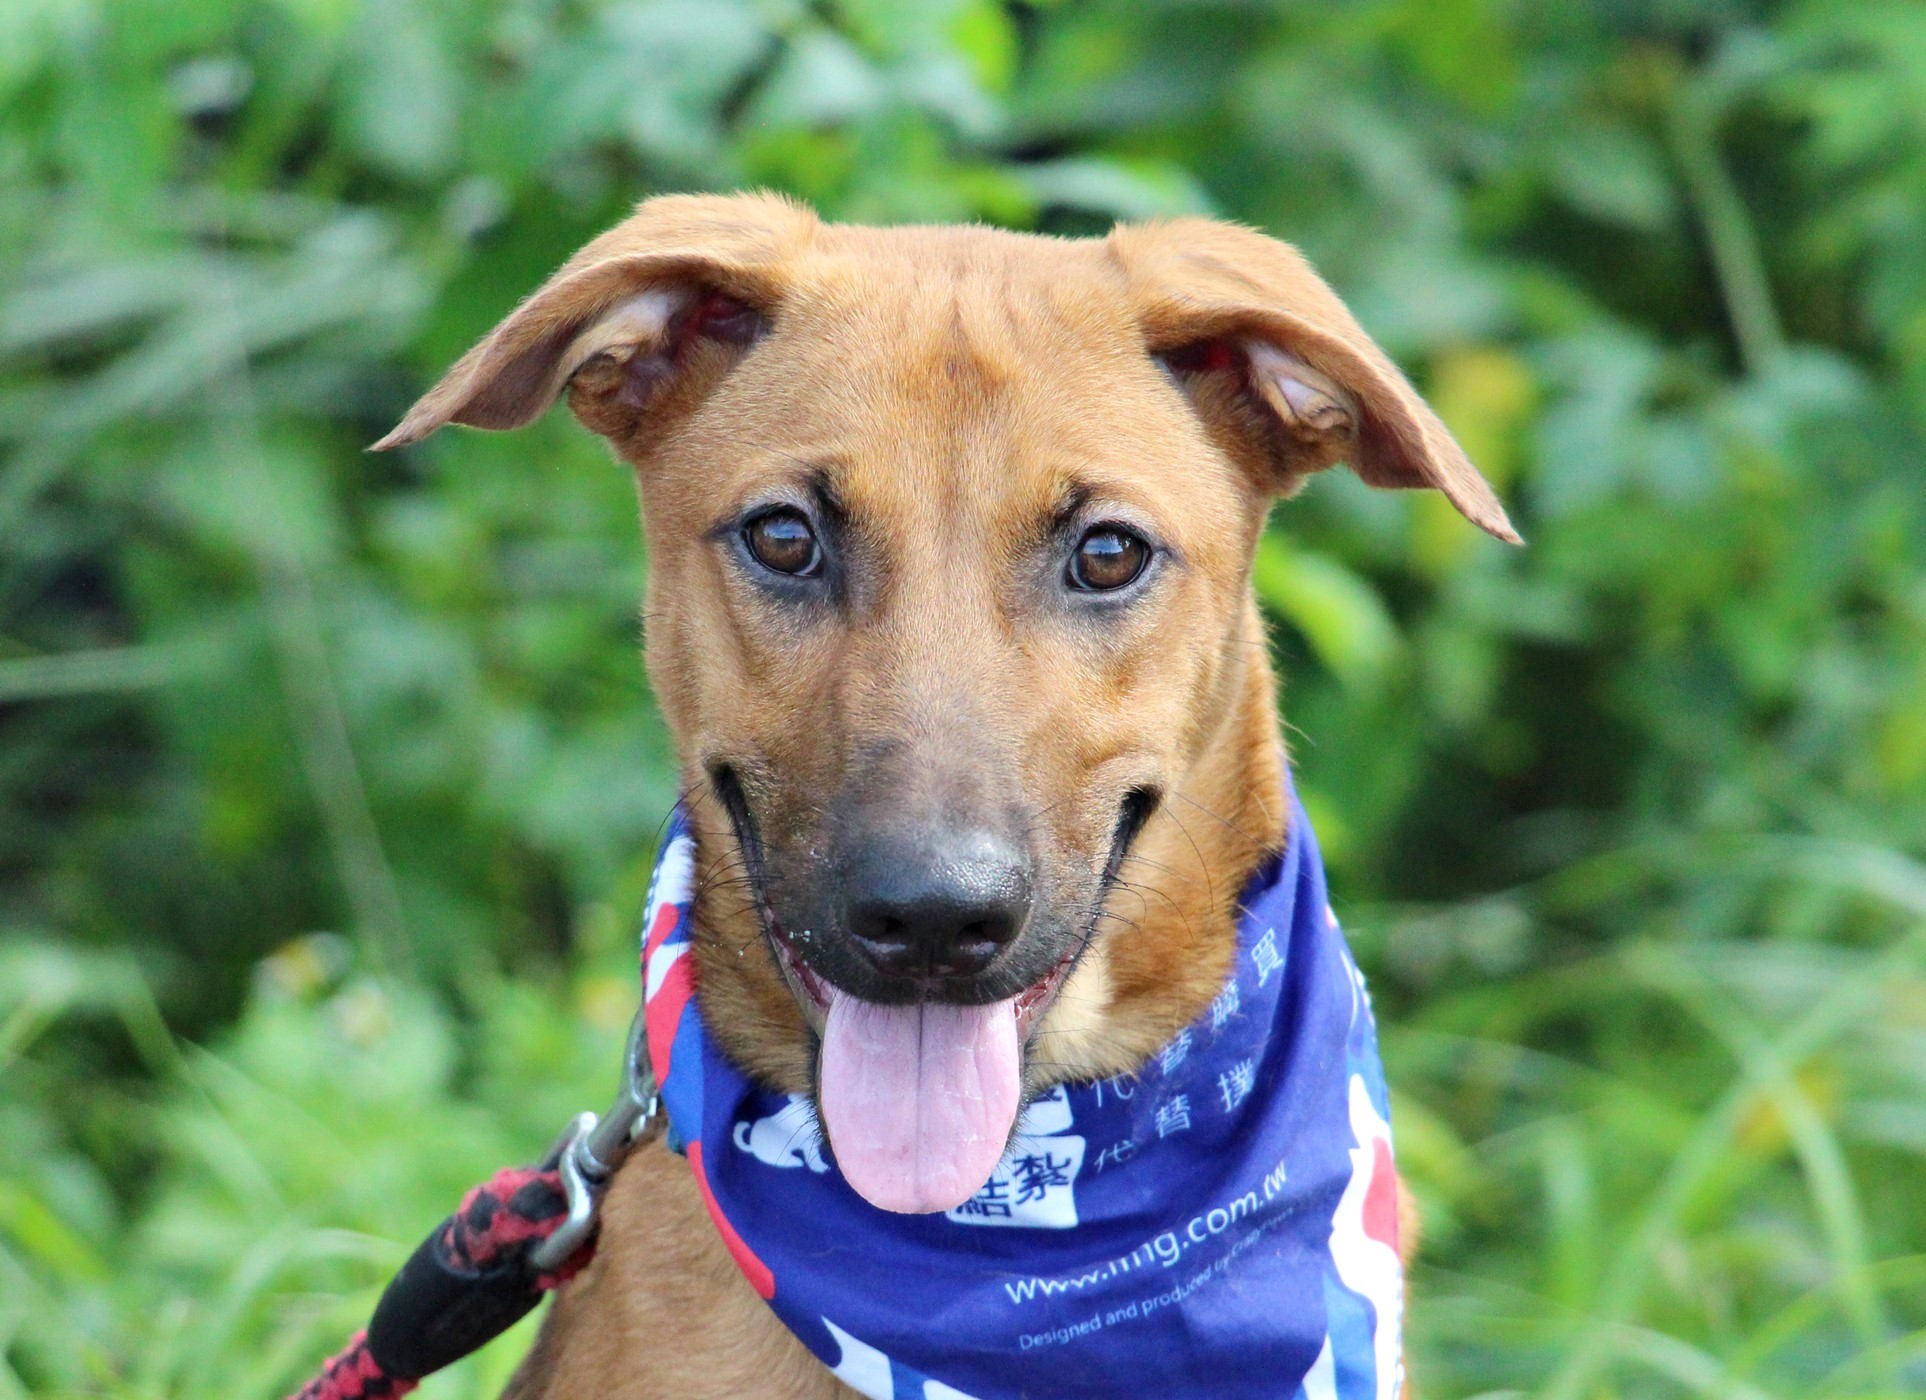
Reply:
x=753, y=1269
x=666, y=1006
x=1381, y=1196
x=666, y=918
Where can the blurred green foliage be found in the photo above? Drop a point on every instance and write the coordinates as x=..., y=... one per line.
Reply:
x=328, y=782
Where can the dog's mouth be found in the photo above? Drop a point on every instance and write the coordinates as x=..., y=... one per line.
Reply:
x=815, y=995
x=919, y=1099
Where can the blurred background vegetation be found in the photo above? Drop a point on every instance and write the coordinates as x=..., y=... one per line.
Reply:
x=329, y=782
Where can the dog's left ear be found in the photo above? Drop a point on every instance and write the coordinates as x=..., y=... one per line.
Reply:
x=1254, y=334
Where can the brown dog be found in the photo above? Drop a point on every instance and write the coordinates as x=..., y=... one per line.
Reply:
x=949, y=535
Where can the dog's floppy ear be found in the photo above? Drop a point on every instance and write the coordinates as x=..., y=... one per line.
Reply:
x=1229, y=307
x=616, y=324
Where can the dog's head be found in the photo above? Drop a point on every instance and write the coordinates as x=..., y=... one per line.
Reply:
x=950, y=533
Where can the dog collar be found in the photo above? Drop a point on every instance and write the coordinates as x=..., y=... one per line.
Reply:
x=1222, y=1223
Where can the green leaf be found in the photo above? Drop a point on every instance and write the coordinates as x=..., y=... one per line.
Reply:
x=1338, y=613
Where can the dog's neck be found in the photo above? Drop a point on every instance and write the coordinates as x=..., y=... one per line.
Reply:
x=1164, y=943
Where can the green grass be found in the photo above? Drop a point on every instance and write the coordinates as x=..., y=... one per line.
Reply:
x=287, y=1174
x=1716, y=1201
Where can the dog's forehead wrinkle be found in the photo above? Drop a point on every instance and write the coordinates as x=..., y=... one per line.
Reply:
x=1007, y=296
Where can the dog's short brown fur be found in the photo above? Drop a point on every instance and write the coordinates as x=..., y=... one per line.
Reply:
x=956, y=395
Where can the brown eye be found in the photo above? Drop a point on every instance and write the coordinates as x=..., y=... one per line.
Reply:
x=1108, y=557
x=782, y=542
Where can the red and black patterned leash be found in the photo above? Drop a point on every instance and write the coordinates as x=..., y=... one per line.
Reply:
x=470, y=1281
x=522, y=1233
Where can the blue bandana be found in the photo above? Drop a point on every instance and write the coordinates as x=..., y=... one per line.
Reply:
x=1223, y=1223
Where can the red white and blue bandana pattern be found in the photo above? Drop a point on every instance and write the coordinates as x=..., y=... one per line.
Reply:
x=1221, y=1224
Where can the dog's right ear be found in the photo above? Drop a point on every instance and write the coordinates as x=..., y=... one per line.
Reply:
x=1244, y=323
x=625, y=319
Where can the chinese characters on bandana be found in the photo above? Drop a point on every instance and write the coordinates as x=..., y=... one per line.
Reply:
x=1034, y=1185
x=1224, y=1006
x=1265, y=955
x=1236, y=1083
x=1036, y=1173
x=1173, y=1054
x=1173, y=1115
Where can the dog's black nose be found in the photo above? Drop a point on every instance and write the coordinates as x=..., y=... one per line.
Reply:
x=936, y=904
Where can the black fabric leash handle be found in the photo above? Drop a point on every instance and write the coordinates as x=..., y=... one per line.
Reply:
x=518, y=1235
x=467, y=1283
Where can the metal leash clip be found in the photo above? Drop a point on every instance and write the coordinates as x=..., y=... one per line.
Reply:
x=591, y=1148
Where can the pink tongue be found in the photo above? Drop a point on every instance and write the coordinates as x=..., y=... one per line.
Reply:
x=918, y=1100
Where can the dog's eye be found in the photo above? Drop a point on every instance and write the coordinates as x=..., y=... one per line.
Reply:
x=782, y=541
x=1108, y=557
